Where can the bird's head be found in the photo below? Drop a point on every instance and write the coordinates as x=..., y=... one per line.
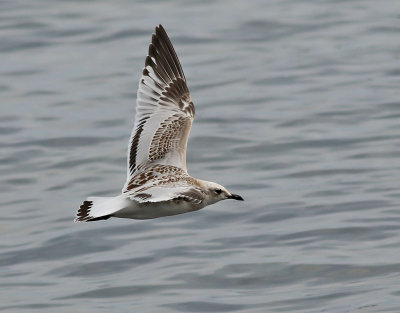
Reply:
x=215, y=192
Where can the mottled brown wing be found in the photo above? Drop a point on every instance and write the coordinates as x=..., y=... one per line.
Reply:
x=163, y=183
x=164, y=110
x=164, y=193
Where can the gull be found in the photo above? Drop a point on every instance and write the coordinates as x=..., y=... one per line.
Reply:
x=158, y=183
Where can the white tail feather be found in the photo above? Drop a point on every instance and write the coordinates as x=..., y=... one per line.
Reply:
x=97, y=208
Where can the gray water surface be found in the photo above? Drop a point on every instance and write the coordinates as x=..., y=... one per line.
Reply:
x=297, y=109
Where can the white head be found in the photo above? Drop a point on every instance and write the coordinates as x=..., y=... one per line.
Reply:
x=215, y=192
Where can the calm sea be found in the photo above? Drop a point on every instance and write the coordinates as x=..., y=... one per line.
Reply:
x=298, y=111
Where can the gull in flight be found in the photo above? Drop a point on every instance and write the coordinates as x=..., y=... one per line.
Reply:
x=158, y=183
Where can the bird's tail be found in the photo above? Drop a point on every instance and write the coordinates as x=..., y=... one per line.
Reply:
x=98, y=208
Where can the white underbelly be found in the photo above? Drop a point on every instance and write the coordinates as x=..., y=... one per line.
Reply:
x=149, y=210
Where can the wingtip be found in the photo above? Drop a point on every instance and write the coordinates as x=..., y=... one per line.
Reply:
x=159, y=28
x=160, y=31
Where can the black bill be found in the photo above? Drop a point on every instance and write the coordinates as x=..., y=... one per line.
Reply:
x=235, y=197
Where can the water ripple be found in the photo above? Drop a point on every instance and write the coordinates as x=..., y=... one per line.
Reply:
x=297, y=110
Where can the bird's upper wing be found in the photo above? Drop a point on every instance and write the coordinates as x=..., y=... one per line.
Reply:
x=162, y=193
x=164, y=110
x=158, y=183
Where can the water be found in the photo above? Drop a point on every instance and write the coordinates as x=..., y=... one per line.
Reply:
x=297, y=110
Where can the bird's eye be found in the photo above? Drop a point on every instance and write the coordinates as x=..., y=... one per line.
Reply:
x=218, y=191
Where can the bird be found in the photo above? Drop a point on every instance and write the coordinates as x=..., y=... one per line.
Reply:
x=158, y=183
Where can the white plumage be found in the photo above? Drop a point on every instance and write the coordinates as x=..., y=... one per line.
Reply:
x=157, y=180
